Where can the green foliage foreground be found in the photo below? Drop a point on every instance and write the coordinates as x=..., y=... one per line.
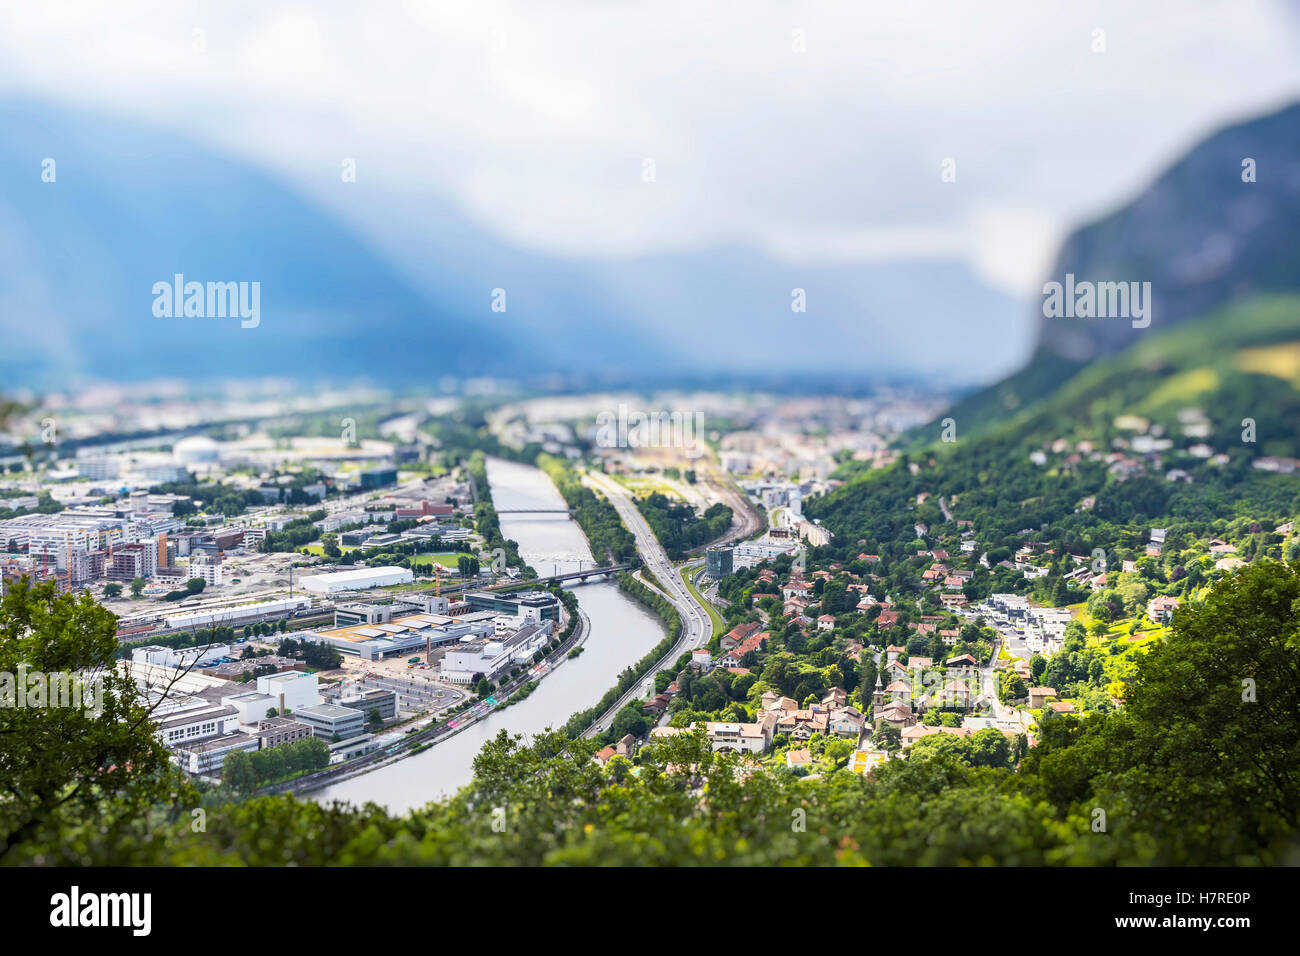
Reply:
x=1199, y=767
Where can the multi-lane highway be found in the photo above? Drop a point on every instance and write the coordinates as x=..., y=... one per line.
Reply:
x=697, y=628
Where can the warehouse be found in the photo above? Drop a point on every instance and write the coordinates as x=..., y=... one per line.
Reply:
x=359, y=579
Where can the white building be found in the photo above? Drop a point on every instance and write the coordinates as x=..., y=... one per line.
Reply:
x=490, y=658
x=251, y=706
x=207, y=757
x=206, y=569
x=291, y=690
x=742, y=738
x=359, y=579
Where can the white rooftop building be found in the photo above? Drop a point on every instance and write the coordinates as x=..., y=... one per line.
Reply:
x=359, y=579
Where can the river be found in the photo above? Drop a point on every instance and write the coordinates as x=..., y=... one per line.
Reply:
x=622, y=632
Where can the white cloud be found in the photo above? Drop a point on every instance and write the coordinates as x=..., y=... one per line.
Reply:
x=535, y=118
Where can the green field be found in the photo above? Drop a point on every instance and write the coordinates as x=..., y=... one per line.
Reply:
x=688, y=577
x=425, y=562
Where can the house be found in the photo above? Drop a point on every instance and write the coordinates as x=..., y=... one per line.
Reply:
x=602, y=755
x=887, y=619
x=739, y=738
x=801, y=724
x=795, y=589
x=1161, y=609
x=899, y=690
x=956, y=692
x=963, y=666
x=826, y=622
x=835, y=697
x=846, y=722
x=738, y=634
x=798, y=758
x=1038, y=696
x=896, y=714
x=1061, y=707
x=772, y=701
x=625, y=746
x=755, y=643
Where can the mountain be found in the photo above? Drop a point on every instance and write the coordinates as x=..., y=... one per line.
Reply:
x=358, y=284
x=129, y=207
x=1199, y=234
x=723, y=309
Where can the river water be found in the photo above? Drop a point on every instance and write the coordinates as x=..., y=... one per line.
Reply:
x=622, y=632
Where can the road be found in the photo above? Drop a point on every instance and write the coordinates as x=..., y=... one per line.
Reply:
x=697, y=628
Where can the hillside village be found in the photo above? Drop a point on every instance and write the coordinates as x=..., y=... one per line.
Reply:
x=962, y=633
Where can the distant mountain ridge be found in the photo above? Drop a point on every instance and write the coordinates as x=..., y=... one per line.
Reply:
x=365, y=288
x=1199, y=234
x=127, y=208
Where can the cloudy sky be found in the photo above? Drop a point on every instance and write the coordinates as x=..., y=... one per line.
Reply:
x=817, y=131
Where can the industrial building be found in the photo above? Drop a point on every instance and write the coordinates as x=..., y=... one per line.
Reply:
x=402, y=635
x=383, y=701
x=359, y=579
x=329, y=720
x=532, y=605
x=468, y=661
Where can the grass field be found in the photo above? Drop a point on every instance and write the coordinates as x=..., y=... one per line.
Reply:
x=425, y=562
x=688, y=577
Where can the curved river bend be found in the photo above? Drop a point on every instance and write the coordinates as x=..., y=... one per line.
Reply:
x=621, y=634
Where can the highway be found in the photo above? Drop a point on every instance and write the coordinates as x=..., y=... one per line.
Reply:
x=697, y=629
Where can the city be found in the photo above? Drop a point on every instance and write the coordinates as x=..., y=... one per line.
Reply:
x=509, y=436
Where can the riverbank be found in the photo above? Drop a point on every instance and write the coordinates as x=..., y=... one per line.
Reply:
x=618, y=632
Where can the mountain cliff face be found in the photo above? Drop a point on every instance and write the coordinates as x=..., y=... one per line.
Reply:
x=1201, y=235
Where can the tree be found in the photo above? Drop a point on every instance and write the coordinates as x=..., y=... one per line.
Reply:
x=1037, y=664
x=137, y=586
x=1134, y=595
x=112, y=590
x=889, y=737
x=630, y=720
x=314, y=753
x=195, y=585
x=237, y=772
x=374, y=722
x=62, y=764
x=1202, y=760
